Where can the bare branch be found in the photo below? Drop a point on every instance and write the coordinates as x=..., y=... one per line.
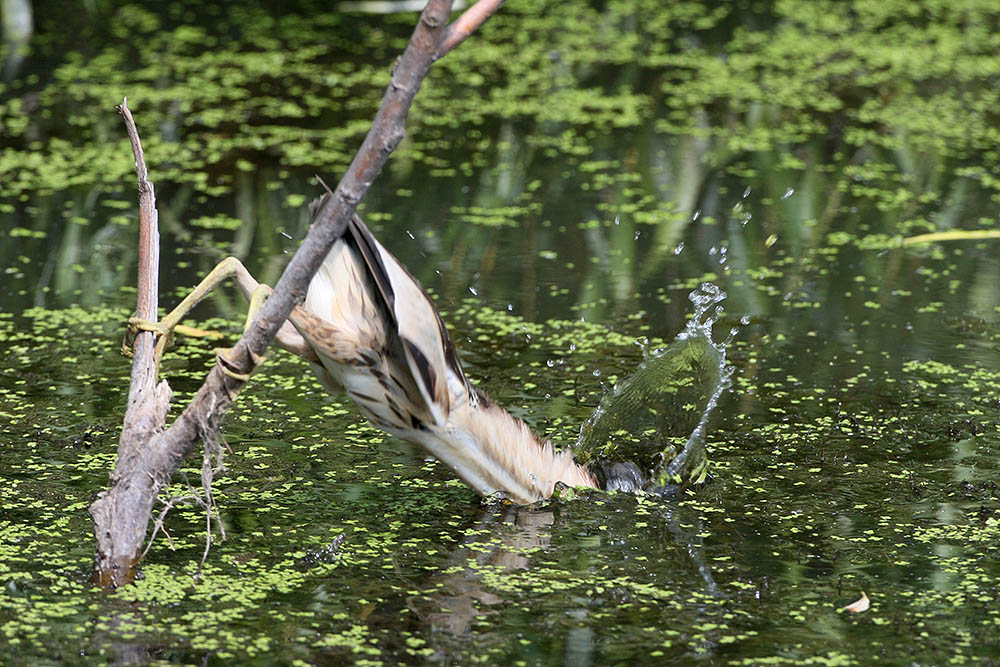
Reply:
x=468, y=23
x=149, y=236
x=121, y=513
x=204, y=414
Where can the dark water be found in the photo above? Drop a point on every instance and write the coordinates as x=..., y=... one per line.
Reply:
x=561, y=212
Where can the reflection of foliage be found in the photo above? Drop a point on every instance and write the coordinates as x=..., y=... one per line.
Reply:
x=830, y=477
x=606, y=135
x=238, y=82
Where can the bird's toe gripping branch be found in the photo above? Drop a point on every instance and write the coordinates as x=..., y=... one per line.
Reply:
x=135, y=325
x=165, y=330
x=222, y=355
x=228, y=366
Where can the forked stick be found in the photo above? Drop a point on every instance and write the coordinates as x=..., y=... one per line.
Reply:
x=147, y=455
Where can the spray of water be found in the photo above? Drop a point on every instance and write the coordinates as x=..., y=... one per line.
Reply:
x=633, y=437
x=691, y=463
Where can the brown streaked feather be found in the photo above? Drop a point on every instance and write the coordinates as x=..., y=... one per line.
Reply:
x=326, y=339
x=358, y=396
x=344, y=348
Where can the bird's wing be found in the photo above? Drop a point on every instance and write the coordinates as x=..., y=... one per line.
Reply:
x=430, y=354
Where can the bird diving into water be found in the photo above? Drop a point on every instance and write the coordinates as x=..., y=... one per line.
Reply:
x=368, y=328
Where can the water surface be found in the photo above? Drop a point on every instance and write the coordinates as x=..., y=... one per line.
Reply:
x=569, y=176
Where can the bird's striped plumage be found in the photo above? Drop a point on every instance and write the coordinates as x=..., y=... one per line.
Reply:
x=373, y=331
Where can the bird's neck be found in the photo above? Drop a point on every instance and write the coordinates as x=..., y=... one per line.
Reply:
x=494, y=451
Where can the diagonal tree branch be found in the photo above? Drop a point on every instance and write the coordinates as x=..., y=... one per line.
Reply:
x=121, y=514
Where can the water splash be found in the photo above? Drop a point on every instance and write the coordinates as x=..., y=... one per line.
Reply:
x=650, y=430
x=707, y=297
x=690, y=465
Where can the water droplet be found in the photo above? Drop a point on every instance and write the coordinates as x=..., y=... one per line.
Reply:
x=618, y=220
x=745, y=320
x=697, y=214
x=636, y=237
x=510, y=306
x=410, y=234
x=550, y=363
x=788, y=193
x=597, y=372
x=746, y=193
x=473, y=290
x=679, y=248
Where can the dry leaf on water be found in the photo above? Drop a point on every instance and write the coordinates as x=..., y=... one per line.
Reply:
x=858, y=606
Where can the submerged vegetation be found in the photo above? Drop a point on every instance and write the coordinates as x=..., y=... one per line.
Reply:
x=568, y=177
x=882, y=481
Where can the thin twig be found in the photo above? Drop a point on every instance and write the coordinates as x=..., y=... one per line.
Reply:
x=158, y=525
x=208, y=471
x=467, y=23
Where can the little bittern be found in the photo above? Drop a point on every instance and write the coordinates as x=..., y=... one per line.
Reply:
x=369, y=328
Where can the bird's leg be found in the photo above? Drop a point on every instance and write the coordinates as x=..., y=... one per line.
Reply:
x=165, y=327
x=230, y=267
x=257, y=299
